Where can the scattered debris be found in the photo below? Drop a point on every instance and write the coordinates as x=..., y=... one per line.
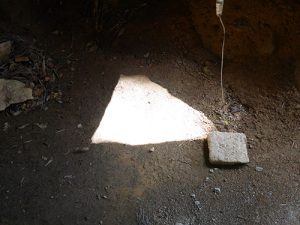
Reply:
x=193, y=196
x=5, y=127
x=23, y=126
x=12, y=92
x=259, y=169
x=22, y=181
x=59, y=131
x=227, y=148
x=41, y=125
x=79, y=126
x=31, y=73
x=49, y=162
x=81, y=150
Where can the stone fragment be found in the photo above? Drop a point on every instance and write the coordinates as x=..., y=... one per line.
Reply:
x=227, y=148
x=13, y=91
x=259, y=169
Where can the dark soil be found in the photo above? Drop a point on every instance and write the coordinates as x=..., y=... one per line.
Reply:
x=44, y=182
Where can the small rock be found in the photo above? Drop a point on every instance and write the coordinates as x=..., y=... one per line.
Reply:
x=104, y=197
x=13, y=91
x=259, y=169
x=178, y=223
x=217, y=190
x=211, y=170
x=193, y=195
x=79, y=126
x=151, y=149
x=198, y=204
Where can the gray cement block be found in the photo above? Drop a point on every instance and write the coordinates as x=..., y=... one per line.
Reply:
x=227, y=148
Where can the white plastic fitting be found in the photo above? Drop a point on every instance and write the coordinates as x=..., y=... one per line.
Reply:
x=219, y=7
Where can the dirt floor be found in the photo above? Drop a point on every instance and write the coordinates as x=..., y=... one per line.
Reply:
x=42, y=180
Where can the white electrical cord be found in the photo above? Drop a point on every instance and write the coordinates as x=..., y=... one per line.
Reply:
x=222, y=57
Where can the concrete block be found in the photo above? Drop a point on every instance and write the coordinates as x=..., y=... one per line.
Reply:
x=227, y=148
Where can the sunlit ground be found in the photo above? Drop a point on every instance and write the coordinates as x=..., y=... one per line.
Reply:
x=142, y=112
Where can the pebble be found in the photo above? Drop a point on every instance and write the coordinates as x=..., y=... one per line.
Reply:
x=104, y=197
x=198, y=204
x=211, y=170
x=193, y=195
x=79, y=126
x=217, y=190
x=152, y=149
x=259, y=169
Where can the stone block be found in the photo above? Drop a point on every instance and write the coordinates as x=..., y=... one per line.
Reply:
x=227, y=148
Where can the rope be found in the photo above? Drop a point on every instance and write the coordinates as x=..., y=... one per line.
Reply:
x=222, y=60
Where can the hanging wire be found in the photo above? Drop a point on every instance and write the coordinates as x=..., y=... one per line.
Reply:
x=222, y=57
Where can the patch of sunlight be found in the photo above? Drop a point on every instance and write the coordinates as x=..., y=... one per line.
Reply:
x=142, y=112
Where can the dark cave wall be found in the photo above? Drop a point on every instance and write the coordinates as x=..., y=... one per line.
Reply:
x=254, y=29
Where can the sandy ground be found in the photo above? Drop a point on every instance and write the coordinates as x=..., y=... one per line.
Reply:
x=44, y=182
